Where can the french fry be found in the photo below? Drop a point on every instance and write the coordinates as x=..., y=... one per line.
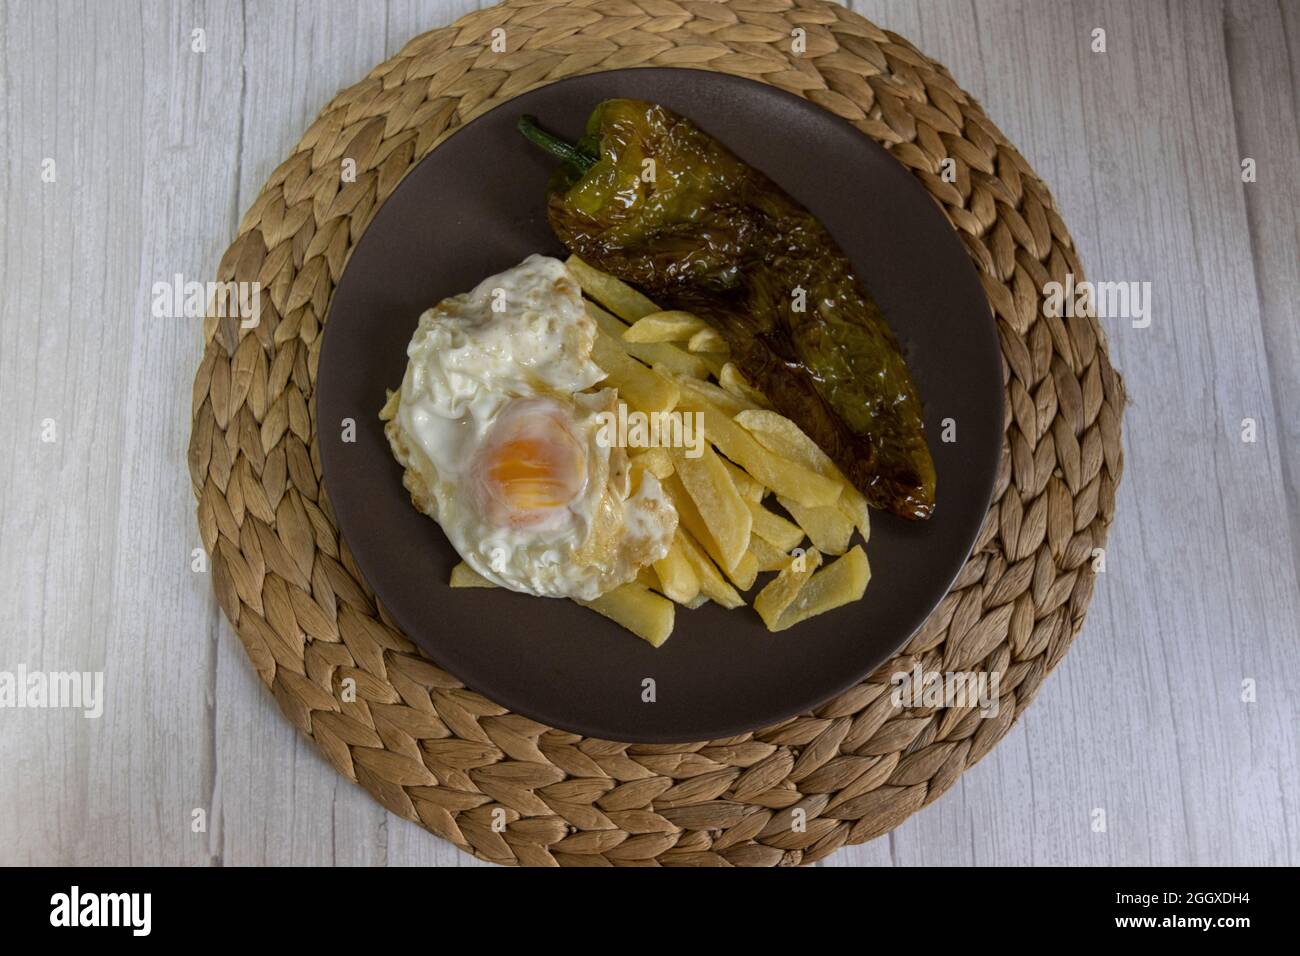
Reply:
x=828, y=528
x=777, y=531
x=632, y=606
x=749, y=489
x=669, y=357
x=630, y=306
x=614, y=294
x=745, y=573
x=782, y=590
x=781, y=475
x=707, y=340
x=637, y=608
x=733, y=380
x=690, y=520
x=665, y=327
x=712, y=584
x=854, y=506
x=784, y=437
x=727, y=402
x=839, y=583
x=657, y=461
x=713, y=361
x=644, y=389
x=719, y=504
x=463, y=576
x=676, y=575
x=767, y=556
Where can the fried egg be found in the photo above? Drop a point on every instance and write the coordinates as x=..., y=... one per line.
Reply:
x=497, y=427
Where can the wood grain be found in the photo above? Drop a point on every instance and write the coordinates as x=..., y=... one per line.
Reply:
x=158, y=153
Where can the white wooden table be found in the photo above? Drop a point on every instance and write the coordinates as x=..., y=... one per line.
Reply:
x=157, y=151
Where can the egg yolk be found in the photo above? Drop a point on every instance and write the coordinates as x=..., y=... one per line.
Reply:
x=536, y=467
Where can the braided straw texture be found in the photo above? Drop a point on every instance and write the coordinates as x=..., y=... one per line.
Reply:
x=434, y=751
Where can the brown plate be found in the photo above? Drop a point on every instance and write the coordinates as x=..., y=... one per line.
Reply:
x=475, y=206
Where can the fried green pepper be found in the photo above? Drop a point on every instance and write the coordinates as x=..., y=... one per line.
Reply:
x=650, y=198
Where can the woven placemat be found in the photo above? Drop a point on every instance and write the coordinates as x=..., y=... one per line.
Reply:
x=434, y=751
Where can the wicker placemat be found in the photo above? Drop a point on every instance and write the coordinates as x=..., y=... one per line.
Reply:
x=434, y=751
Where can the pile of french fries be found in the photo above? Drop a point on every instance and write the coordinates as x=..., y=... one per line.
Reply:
x=673, y=361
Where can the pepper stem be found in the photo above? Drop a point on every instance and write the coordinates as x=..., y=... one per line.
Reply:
x=559, y=148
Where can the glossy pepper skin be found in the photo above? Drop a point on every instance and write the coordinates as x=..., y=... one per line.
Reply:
x=697, y=229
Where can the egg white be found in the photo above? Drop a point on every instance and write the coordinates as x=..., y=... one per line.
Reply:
x=518, y=346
